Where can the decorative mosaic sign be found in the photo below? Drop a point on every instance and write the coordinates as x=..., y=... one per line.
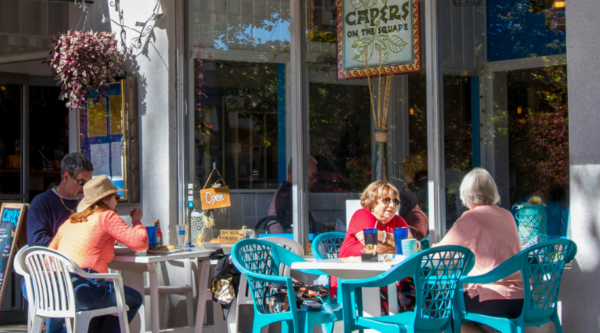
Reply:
x=391, y=26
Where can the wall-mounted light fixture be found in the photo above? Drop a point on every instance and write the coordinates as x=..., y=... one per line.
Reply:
x=519, y=109
x=412, y=111
x=559, y=4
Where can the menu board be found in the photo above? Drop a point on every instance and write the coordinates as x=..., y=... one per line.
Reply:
x=12, y=227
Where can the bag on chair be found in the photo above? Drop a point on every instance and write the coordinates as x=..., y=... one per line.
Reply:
x=225, y=281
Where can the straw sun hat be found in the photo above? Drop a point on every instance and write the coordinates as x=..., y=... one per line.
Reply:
x=96, y=190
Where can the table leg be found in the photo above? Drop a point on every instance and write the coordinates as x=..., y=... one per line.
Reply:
x=203, y=275
x=154, y=313
x=371, y=303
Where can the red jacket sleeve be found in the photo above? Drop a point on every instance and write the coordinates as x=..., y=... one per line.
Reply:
x=351, y=247
x=135, y=238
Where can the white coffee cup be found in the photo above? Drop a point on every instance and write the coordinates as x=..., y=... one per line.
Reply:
x=410, y=246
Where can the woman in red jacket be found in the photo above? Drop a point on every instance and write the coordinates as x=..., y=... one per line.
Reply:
x=380, y=202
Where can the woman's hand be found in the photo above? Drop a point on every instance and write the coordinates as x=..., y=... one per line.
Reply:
x=136, y=214
x=361, y=237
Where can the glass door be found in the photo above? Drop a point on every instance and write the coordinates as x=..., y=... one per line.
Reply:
x=14, y=89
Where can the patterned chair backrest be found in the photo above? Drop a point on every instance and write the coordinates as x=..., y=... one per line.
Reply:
x=261, y=257
x=436, y=281
x=327, y=245
x=542, y=273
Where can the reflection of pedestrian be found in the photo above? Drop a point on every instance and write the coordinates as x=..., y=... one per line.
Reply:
x=417, y=221
x=326, y=182
x=414, y=169
x=281, y=203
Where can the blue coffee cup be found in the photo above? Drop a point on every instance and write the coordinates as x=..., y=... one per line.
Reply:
x=399, y=235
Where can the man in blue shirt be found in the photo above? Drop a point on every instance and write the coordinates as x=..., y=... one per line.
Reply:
x=49, y=210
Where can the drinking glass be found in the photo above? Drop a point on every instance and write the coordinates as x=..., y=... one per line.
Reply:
x=181, y=235
x=399, y=235
x=370, y=240
x=151, y=236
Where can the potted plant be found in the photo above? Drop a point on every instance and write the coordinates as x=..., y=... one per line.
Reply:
x=84, y=60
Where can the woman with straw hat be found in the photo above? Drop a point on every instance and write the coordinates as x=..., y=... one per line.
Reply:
x=88, y=237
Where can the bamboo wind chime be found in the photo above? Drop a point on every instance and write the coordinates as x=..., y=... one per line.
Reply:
x=380, y=115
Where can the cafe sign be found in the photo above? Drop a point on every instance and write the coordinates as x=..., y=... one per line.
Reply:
x=370, y=30
x=216, y=196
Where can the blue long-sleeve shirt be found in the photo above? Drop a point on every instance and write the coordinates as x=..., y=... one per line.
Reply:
x=45, y=215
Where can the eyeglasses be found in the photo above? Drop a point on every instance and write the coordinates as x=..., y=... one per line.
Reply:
x=81, y=182
x=388, y=200
x=312, y=176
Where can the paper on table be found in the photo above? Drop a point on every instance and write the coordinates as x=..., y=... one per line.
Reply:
x=100, y=159
x=116, y=153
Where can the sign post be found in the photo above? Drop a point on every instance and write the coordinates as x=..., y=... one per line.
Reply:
x=391, y=26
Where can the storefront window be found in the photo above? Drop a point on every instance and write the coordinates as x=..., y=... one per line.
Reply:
x=10, y=138
x=341, y=131
x=238, y=110
x=506, y=109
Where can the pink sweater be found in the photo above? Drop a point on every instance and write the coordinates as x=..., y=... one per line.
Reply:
x=91, y=244
x=491, y=233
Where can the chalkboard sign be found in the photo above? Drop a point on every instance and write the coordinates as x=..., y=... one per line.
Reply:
x=12, y=225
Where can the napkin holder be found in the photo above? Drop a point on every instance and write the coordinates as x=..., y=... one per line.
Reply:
x=369, y=257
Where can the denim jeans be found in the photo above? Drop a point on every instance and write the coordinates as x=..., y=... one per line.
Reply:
x=53, y=325
x=99, y=293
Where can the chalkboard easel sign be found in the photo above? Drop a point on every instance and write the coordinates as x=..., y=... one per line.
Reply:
x=12, y=225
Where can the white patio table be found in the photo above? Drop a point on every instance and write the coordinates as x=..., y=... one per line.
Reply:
x=133, y=266
x=353, y=268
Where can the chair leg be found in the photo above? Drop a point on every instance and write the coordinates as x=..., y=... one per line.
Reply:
x=327, y=328
x=81, y=322
x=36, y=325
x=287, y=327
x=189, y=297
x=557, y=323
x=162, y=300
x=68, y=325
x=123, y=322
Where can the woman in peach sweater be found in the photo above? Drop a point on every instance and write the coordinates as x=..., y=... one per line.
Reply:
x=88, y=238
x=491, y=233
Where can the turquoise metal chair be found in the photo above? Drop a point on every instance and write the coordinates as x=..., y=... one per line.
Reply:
x=435, y=272
x=263, y=263
x=541, y=267
x=327, y=245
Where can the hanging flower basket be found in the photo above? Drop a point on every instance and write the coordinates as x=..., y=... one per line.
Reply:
x=466, y=2
x=82, y=61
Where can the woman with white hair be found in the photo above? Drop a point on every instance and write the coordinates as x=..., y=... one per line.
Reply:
x=491, y=233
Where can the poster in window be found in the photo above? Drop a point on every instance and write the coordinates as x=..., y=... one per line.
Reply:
x=103, y=135
x=372, y=29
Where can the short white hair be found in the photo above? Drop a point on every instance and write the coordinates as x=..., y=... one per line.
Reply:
x=478, y=188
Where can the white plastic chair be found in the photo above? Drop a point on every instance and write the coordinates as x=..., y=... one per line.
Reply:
x=50, y=273
x=21, y=269
x=244, y=297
